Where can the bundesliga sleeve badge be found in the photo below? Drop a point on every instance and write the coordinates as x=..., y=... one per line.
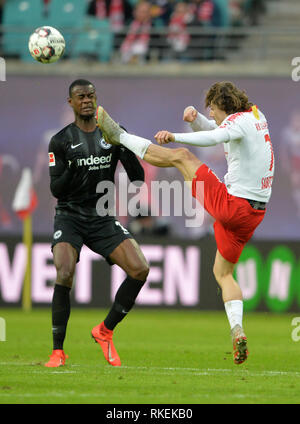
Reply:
x=51, y=159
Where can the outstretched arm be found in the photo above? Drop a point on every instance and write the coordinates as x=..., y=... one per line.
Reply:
x=200, y=138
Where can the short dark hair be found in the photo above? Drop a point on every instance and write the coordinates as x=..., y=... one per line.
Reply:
x=227, y=97
x=80, y=82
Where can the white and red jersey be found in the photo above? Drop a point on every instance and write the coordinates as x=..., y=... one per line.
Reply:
x=249, y=155
x=248, y=151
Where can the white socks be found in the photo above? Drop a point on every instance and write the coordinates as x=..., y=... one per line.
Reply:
x=138, y=145
x=234, y=311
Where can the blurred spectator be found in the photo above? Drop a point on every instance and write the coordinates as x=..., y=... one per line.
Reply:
x=206, y=13
x=119, y=12
x=136, y=44
x=203, y=11
x=212, y=13
x=236, y=11
x=161, y=11
x=178, y=37
x=253, y=10
x=246, y=12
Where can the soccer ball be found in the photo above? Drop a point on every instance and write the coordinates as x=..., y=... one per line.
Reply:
x=46, y=44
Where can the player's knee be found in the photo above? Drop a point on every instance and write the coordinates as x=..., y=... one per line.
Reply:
x=65, y=275
x=181, y=155
x=140, y=272
x=220, y=274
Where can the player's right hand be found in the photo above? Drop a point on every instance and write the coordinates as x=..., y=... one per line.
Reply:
x=164, y=137
x=189, y=114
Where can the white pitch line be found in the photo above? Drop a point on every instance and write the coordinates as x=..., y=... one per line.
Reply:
x=51, y=394
x=219, y=370
x=196, y=371
x=59, y=372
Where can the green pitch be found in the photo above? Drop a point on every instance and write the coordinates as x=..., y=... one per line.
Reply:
x=168, y=357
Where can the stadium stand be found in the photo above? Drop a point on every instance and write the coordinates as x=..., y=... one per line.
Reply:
x=272, y=31
x=204, y=30
x=19, y=17
x=96, y=40
x=69, y=17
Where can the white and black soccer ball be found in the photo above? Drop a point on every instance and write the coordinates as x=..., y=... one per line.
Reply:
x=46, y=44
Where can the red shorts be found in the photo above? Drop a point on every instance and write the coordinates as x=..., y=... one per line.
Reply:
x=236, y=220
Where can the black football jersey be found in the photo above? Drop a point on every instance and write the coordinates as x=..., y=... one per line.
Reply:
x=96, y=161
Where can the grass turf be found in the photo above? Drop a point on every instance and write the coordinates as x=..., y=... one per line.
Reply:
x=168, y=357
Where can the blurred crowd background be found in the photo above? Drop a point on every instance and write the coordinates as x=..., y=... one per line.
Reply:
x=132, y=31
x=149, y=60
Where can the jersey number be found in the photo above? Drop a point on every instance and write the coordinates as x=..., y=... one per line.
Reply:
x=268, y=140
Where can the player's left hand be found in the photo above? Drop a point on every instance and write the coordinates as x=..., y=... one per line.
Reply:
x=164, y=137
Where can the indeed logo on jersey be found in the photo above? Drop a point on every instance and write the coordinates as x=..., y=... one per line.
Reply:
x=95, y=162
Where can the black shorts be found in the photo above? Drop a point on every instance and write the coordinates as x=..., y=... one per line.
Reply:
x=101, y=234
